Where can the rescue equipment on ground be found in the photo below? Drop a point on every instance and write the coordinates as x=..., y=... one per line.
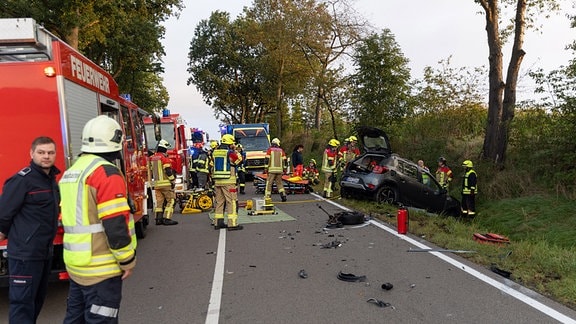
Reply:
x=292, y=185
x=260, y=207
x=193, y=201
x=403, y=220
x=491, y=238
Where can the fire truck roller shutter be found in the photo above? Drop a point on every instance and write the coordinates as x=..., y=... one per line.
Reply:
x=81, y=105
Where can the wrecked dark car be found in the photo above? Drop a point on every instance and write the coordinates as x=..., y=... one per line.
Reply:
x=385, y=177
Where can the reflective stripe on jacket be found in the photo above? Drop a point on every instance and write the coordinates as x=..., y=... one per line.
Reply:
x=201, y=163
x=329, y=160
x=469, y=182
x=276, y=159
x=159, y=163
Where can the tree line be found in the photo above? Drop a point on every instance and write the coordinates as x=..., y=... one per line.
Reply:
x=306, y=65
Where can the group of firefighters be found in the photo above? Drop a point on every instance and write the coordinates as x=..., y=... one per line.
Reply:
x=221, y=168
x=335, y=159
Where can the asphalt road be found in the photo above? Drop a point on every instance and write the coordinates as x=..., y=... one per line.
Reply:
x=191, y=273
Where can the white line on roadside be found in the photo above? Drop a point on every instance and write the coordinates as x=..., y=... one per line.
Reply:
x=494, y=283
x=213, y=314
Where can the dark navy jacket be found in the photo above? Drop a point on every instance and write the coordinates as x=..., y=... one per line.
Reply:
x=29, y=208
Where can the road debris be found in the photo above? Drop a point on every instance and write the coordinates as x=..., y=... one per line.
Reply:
x=387, y=286
x=379, y=303
x=350, y=277
x=302, y=274
x=332, y=245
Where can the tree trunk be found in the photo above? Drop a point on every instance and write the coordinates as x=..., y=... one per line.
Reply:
x=279, y=101
x=502, y=96
x=509, y=102
x=318, y=107
x=72, y=37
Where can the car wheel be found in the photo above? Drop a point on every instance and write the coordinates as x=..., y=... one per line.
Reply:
x=344, y=192
x=386, y=194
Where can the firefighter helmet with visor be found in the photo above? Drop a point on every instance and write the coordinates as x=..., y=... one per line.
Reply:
x=102, y=134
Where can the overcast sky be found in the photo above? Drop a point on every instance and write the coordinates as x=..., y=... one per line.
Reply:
x=426, y=30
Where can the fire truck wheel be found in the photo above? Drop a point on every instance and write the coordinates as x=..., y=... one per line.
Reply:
x=140, y=229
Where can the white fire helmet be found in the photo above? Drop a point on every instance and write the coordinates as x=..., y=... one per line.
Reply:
x=102, y=134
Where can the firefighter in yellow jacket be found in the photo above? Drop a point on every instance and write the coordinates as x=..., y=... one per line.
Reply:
x=164, y=181
x=226, y=159
x=275, y=167
x=99, y=239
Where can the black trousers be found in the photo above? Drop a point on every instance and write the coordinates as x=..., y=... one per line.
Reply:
x=28, y=287
x=469, y=205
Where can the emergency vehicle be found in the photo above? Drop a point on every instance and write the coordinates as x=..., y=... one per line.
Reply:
x=255, y=140
x=49, y=89
x=173, y=129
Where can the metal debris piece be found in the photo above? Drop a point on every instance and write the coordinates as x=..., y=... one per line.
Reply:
x=350, y=277
x=503, y=273
x=302, y=273
x=379, y=303
x=334, y=244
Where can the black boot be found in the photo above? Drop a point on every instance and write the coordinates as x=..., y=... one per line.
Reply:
x=283, y=196
x=159, y=219
x=168, y=221
x=220, y=224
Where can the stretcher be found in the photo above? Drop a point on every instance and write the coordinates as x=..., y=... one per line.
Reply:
x=292, y=185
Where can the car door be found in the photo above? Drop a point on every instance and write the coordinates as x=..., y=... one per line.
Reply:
x=432, y=197
x=410, y=189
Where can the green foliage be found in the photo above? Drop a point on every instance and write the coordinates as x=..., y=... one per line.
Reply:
x=381, y=93
x=122, y=36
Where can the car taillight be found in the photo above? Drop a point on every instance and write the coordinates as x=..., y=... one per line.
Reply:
x=371, y=186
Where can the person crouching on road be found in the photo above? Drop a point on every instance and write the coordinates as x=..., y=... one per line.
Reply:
x=275, y=167
x=164, y=181
x=329, y=165
x=29, y=208
x=226, y=159
x=99, y=239
x=469, y=190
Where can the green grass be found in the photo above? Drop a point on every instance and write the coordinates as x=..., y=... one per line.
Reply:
x=542, y=230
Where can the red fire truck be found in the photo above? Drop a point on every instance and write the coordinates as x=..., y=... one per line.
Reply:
x=173, y=129
x=49, y=89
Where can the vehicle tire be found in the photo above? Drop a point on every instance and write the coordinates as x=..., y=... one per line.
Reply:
x=140, y=228
x=386, y=194
x=344, y=192
x=351, y=218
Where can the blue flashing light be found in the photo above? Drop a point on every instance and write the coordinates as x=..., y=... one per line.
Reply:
x=165, y=112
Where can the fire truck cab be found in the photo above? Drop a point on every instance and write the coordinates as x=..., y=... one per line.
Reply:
x=47, y=88
x=173, y=129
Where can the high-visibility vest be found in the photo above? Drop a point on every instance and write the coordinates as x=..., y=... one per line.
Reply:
x=329, y=160
x=466, y=188
x=80, y=231
x=222, y=169
x=276, y=158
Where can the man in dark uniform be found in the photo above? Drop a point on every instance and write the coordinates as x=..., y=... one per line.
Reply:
x=29, y=208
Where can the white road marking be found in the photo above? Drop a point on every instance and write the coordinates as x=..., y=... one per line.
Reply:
x=494, y=283
x=213, y=314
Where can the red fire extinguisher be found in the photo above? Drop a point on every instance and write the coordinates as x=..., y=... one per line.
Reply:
x=402, y=219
